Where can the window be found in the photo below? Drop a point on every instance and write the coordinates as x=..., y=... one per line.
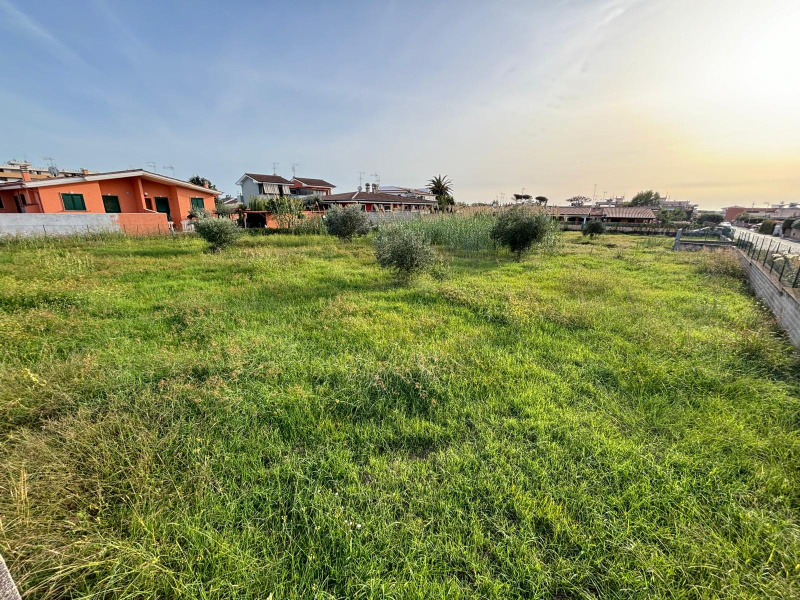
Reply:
x=198, y=203
x=2, y=206
x=111, y=204
x=73, y=202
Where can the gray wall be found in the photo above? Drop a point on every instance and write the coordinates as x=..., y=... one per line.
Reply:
x=784, y=302
x=249, y=188
x=23, y=224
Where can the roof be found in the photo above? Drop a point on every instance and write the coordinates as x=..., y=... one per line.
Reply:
x=264, y=178
x=393, y=189
x=314, y=182
x=628, y=212
x=572, y=210
x=373, y=197
x=103, y=177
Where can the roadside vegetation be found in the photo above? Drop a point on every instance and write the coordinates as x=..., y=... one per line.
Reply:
x=282, y=420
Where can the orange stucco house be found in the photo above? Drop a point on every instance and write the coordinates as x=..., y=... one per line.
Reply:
x=142, y=201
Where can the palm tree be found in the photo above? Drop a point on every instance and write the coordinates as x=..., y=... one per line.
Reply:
x=440, y=186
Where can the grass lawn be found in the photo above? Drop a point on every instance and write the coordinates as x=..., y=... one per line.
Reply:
x=282, y=420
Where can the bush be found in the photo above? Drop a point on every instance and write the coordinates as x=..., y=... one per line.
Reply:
x=198, y=213
x=593, y=228
x=403, y=250
x=520, y=228
x=767, y=226
x=787, y=225
x=346, y=223
x=711, y=219
x=796, y=224
x=219, y=233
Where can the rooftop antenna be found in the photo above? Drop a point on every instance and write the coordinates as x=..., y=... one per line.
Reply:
x=294, y=169
x=594, y=193
x=360, y=179
x=171, y=168
x=50, y=160
x=151, y=164
x=377, y=179
x=275, y=168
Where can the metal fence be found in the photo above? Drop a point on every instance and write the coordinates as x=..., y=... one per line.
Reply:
x=782, y=259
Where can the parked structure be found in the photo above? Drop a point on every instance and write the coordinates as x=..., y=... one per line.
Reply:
x=13, y=170
x=120, y=192
x=375, y=201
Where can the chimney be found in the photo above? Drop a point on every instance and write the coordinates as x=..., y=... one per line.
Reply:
x=84, y=171
x=205, y=184
x=23, y=169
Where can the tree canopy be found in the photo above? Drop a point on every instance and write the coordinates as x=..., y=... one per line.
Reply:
x=648, y=198
x=202, y=182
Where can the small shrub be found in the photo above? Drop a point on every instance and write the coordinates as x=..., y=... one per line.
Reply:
x=767, y=226
x=593, y=228
x=402, y=250
x=219, y=233
x=346, y=223
x=520, y=228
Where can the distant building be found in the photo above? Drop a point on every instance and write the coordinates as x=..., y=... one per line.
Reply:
x=255, y=184
x=307, y=186
x=375, y=201
x=13, y=170
x=759, y=213
x=611, y=214
x=406, y=192
x=122, y=192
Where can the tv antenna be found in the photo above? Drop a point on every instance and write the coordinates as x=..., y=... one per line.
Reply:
x=275, y=168
x=377, y=179
x=294, y=169
x=151, y=164
x=171, y=168
x=360, y=179
x=50, y=160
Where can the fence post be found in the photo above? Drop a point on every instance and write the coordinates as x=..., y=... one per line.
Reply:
x=783, y=268
x=764, y=262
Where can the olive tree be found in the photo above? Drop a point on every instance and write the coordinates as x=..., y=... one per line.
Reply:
x=346, y=223
x=520, y=228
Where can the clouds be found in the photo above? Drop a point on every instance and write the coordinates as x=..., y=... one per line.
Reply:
x=553, y=97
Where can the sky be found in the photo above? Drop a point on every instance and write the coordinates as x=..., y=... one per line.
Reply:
x=698, y=99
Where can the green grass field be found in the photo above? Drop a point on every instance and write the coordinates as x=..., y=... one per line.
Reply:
x=282, y=420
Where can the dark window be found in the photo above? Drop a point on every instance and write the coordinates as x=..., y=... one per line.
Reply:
x=111, y=204
x=1, y=204
x=148, y=203
x=73, y=202
x=162, y=206
x=22, y=198
x=198, y=203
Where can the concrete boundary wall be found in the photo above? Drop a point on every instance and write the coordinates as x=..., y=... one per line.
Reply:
x=784, y=302
x=55, y=224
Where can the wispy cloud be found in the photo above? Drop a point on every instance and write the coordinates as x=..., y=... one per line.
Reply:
x=16, y=20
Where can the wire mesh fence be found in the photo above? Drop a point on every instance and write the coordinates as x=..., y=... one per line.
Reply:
x=779, y=258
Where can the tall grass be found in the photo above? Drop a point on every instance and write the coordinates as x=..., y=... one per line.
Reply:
x=468, y=234
x=615, y=420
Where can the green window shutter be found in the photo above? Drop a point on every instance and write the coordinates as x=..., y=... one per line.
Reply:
x=73, y=202
x=198, y=203
x=111, y=204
